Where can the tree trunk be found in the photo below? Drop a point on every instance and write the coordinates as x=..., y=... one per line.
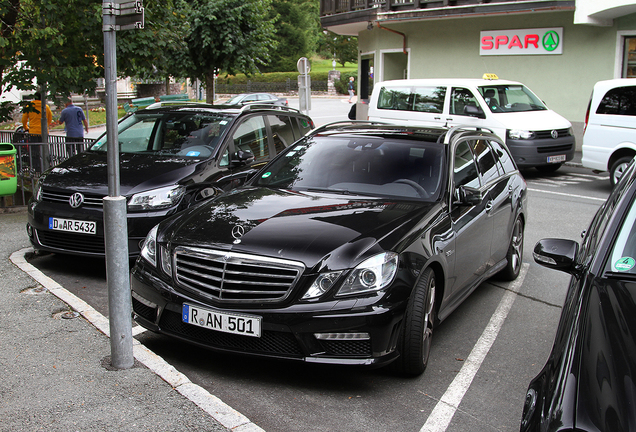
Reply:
x=168, y=85
x=209, y=87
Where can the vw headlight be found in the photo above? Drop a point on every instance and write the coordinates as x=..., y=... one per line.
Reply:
x=373, y=274
x=519, y=134
x=37, y=194
x=156, y=199
x=149, y=250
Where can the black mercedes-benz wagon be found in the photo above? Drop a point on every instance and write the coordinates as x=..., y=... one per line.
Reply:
x=348, y=248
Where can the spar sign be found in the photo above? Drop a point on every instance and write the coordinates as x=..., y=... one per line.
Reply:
x=540, y=41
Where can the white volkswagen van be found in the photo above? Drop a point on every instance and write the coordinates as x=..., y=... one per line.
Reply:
x=609, y=139
x=536, y=136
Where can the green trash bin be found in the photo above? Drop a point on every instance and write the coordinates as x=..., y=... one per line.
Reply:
x=8, y=178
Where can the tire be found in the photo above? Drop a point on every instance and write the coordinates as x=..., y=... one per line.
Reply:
x=417, y=330
x=617, y=169
x=515, y=253
x=548, y=168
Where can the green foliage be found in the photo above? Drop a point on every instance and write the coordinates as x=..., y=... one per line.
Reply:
x=345, y=48
x=229, y=35
x=296, y=31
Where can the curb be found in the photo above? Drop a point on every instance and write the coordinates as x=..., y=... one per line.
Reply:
x=215, y=407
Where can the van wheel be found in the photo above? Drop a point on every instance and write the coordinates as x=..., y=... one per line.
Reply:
x=417, y=330
x=617, y=169
x=548, y=168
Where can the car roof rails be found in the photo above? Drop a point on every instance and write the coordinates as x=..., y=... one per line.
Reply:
x=349, y=124
x=255, y=106
x=176, y=103
x=464, y=128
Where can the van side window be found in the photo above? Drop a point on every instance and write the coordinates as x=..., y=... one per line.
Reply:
x=429, y=99
x=619, y=100
x=394, y=99
x=460, y=99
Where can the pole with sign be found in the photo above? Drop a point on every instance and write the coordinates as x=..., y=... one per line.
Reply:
x=117, y=15
x=304, y=85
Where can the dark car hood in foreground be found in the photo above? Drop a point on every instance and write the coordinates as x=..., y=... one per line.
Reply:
x=88, y=172
x=298, y=226
x=607, y=387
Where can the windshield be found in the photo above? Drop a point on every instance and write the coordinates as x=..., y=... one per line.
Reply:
x=174, y=133
x=360, y=165
x=510, y=98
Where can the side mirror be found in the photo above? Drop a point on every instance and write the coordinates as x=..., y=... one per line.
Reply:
x=474, y=111
x=557, y=254
x=469, y=196
x=242, y=157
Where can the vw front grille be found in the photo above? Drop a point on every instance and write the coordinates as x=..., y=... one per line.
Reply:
x=234, y=277
x=93, y=201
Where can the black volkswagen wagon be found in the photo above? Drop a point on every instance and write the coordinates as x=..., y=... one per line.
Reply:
x=348, y=248
x=170, y=158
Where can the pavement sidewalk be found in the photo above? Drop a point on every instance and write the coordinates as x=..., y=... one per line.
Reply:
x=55, y=364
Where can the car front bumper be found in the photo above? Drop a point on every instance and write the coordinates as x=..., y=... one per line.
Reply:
x=531, y=153
x=288, y=332
x=46, y=239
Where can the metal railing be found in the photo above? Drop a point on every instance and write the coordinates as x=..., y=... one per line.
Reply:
x=33, y=157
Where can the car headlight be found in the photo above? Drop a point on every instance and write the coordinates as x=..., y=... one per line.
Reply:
x=149, y=249
x=373, y=274
x=322, y=284
x=37, y=193
x=156, y=199
x=519, y=134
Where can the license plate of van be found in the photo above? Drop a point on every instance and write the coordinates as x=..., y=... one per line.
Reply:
x=556, y=159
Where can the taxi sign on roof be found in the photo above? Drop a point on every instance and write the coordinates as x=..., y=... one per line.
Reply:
x=490, y=76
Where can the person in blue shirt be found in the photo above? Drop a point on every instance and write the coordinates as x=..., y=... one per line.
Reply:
x=75, y=124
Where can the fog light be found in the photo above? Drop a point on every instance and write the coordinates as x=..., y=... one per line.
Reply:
x=342, y=336
x=29, y=229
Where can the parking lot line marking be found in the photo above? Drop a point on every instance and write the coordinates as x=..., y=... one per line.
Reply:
x=568, y=195
x=443, y=413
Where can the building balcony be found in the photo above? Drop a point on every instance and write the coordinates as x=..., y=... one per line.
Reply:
x=349, y=17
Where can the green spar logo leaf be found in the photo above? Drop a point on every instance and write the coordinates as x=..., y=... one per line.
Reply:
x=550, y=40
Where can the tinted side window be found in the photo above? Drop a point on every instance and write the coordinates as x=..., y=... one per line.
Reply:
x=485, y=160
x=621, y=101
x=305, y=126
x=460, y=99
x=465, y=172
x=502, y=153
x=394, y=99
x=429, y=99
x=251, y=135
x=282, y=131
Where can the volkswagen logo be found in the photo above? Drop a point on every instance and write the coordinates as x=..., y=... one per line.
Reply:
x=238, y=231
x=76, y=200
x=555, y=134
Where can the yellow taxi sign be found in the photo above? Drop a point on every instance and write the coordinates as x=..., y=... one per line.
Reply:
x=490, y=76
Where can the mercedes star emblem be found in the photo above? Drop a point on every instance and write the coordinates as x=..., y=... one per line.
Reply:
x=237, y=232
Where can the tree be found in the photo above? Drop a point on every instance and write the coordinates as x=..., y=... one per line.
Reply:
x=345, y=48
x=228, y=35
x=296, y=31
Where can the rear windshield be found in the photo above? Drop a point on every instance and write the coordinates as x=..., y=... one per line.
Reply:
x=184, y=134
x=510, y=98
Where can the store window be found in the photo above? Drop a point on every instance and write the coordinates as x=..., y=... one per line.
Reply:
x=629, y=58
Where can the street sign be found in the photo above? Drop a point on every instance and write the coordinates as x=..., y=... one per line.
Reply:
x=129, y=15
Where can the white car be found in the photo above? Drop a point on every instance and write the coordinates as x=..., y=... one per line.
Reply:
x=609, y=138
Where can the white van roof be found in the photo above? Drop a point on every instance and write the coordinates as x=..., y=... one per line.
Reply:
x=617, y=82
x=448, y=81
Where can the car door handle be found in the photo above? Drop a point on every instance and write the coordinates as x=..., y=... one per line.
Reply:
x=489, y=205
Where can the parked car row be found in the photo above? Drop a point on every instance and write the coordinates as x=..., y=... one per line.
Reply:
x=255, y=233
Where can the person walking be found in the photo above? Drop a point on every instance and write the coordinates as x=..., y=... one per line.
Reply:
x=73, y=119
x=32, y=124
x=351, y=89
